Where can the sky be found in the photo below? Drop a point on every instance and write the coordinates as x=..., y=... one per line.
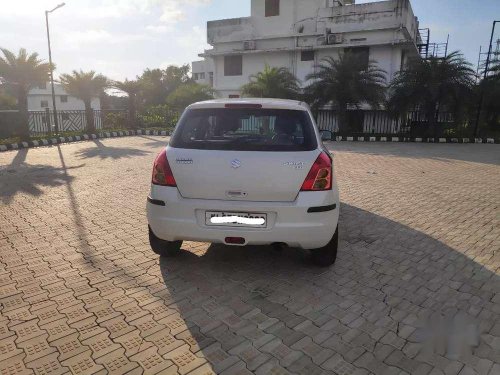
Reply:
x=120, y=38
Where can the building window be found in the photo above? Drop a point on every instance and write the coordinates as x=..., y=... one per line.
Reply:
x=211, y=78
x=272, y=8
x=42, y=86
x=44, y=103
x=65, y=116
x=234, y=96
x=64, y=98
x=233, y=65
x=307, y=56
x=361, y=53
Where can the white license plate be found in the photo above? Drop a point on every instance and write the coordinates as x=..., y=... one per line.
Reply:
x=235, y=219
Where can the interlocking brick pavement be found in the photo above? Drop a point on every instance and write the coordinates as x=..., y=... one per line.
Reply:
x=415, y=289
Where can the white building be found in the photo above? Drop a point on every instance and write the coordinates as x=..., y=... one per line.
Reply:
x=297, y=34
x=40, y=98
x=203, y=72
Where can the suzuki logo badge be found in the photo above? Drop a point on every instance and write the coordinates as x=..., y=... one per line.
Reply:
x=236, y=163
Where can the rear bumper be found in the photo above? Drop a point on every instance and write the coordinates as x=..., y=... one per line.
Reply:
x=288, y=222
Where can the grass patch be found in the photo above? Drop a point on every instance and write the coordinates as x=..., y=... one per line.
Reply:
x=8, y=141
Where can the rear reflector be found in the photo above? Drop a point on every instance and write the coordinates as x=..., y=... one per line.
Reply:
x=235, y=240
x=243, y=106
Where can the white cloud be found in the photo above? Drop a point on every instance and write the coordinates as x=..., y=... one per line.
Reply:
x=158, y=29
x=99, y=38
x=119, y=38
x=174, y=10
x=170, y=11
x=90, y=36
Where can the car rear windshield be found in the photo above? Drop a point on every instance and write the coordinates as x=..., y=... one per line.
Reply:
x=245, y=129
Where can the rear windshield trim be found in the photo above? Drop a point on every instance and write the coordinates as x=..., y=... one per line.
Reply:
x=304, y=123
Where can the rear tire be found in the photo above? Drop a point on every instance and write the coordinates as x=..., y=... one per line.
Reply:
x=163, y=248
x=326, y=256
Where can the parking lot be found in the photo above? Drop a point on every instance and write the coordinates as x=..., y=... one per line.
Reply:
x=415, y=289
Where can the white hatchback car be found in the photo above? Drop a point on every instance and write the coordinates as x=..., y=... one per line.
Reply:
x=245, y=172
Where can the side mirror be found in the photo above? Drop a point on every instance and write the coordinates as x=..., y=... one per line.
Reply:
x=326, y=135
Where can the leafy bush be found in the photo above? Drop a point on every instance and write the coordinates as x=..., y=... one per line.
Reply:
x=160, y=116
x=7, y=102
x=10, y=123
x=115, y=120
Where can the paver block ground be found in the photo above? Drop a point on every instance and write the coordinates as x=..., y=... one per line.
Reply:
x=415, y=288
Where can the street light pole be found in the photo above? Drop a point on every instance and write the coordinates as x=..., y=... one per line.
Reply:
x=487, y=65
x=56, y=122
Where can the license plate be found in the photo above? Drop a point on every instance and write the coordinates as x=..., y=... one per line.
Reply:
x=235, y=219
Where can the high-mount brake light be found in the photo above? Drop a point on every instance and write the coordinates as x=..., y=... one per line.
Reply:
x=243, y=106
x=320, y=175
x=162, y=173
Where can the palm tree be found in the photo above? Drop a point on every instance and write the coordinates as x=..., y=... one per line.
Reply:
x=343, y=82
x=132, y=89
x=490, y=110
x=431, y=84
x=23, y=72
x=272, y=83
x=85, y=86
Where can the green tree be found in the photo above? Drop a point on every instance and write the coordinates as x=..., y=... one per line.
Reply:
x=187, y=94
x=272, y=83
x=158, y=84
x=343, y=82
x=174, y=76
x=160, y=116
x=22, y=73
x=154, y=88
x=132, y=89
x=490, y=111
x=432, y=84
x=85, y=86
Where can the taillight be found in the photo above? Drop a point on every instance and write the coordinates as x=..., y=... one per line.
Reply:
x=162, y=174
x=320, y=175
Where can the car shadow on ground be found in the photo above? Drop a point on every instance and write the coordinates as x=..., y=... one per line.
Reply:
x=20, y=177
x=108, y=152
x=391, y=284
x=474, y=153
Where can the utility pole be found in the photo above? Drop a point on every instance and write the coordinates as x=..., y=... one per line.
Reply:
x=56, y=122
x=486, y=68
